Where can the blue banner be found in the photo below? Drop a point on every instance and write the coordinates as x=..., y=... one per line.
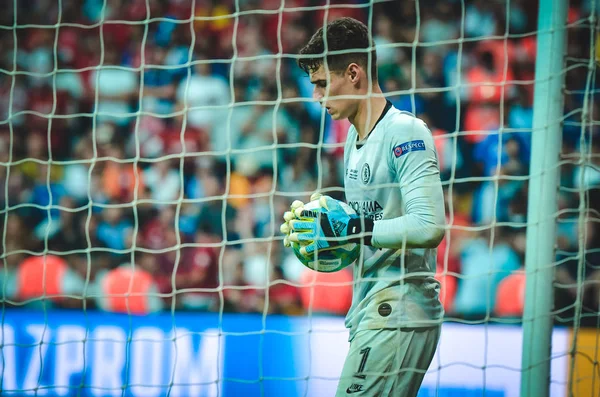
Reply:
x=186, y=354
x=63, y=353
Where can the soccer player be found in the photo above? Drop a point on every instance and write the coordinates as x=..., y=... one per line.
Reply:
x=392, y=181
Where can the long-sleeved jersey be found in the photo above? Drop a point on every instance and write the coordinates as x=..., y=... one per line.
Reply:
x=393, y=178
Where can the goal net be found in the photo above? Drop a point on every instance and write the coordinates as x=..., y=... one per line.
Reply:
x=148, y=149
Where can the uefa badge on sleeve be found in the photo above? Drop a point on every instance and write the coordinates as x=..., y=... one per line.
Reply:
x=412, y=146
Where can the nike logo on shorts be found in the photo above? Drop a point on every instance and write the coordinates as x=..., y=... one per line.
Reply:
x=354, y=388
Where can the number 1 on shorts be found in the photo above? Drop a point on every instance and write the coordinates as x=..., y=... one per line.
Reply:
x=361, y=367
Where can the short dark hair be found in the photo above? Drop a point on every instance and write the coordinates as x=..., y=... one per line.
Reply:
x=342, y=34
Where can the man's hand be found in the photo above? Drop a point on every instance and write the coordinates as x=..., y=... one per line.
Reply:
x=287, y=217
x=326, y=227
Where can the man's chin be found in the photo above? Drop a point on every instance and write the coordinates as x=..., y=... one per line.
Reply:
x=334, y=115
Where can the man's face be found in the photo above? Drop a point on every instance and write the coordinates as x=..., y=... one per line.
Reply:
x=327, y=87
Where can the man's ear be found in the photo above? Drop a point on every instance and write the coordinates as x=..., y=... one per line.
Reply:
x=353, y=72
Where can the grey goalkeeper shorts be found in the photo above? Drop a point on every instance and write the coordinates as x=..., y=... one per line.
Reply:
x=388, y=362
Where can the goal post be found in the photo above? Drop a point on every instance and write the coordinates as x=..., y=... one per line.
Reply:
x=543, y=196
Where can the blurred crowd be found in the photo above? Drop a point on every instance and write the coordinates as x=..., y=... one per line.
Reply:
x=146, y=152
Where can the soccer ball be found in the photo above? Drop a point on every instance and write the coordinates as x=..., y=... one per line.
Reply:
x=332, y=259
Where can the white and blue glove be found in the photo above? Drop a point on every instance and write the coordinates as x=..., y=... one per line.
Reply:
x=328, y=226
x=288, y=216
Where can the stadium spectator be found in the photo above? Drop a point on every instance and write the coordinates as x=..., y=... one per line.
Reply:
x=163, y=181
x=76, y=179
x=13, y=99
x=46, y=281
x=520, y=119
x=195, y=140
x=480, y=19
x=430, y=79
x=159, y=84
x=575, y=265
x=217, y=216
x=70, y=82
x=227, y=135
x=120, y=175
x=153, y=234
x=266, y=124
x=205, y=96
x=198, y=274
x=62, y=232
x=284, y=298
x=587, y=176
x=299, y=174
x=439, y=25
x=44, y=102
x=116, y=88
x=397, y=88
x=486, y=84
x=510, y=298
x=486, y=260
x=449, y=155
x=38, y=57
x=326, y=292
x=475, y=94
x=255, y=62
x=259, y=260
x=37, y=152
x=127, y=289
x=388, y=53
x=45, y=192
x=18, y=240
x=187, y=275
x=238, y=294
x=114, y=231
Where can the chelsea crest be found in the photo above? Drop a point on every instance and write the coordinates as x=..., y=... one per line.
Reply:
x=365, y=173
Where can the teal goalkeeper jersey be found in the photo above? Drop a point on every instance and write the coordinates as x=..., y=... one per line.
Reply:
x=393, y=178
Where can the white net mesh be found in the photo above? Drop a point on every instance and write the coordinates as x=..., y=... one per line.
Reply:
x=148, y=149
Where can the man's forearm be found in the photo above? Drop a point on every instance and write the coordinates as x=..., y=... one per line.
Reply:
x=421, y=227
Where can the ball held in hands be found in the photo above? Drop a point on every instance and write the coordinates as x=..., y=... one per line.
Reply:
x=316, y=234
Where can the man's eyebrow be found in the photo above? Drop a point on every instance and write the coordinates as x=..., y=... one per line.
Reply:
x=318, y=81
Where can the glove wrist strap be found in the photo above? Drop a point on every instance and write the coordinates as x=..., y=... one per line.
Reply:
x=355, y=229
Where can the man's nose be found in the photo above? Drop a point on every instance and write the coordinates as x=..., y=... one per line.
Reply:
x=318, y=96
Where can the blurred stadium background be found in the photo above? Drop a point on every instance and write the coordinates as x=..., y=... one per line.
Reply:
x=148, y=149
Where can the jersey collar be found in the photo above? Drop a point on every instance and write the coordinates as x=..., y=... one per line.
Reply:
x=388, y=106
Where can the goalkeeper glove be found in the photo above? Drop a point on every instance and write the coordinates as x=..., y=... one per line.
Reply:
x=329, y=227
x=287, y=217
x=295, y=209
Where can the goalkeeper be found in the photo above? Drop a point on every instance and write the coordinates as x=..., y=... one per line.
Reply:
x=392, y=181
